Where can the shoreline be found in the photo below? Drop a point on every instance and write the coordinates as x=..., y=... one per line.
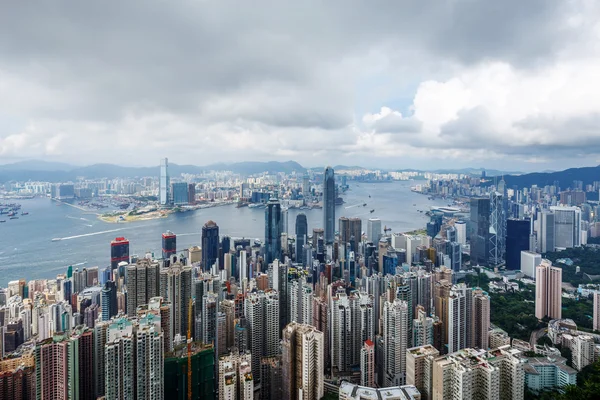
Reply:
x=120, y=217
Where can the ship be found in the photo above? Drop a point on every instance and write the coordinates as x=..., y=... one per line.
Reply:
x=2, y=220
x=372, y=211
x=364, y=204
x=24, y=213
x=14, y=217
x=12, y=213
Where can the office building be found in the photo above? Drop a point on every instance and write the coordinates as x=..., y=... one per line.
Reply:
x=350, y=234
x=165, y=183
x=210, y=245
x=480, y=231
x=301, y=237
x=350, y=391
x=329, y=205
x=119, y=252
x=517, y=240
x=546, y=234
x=179, y=192
x=373, y=230
x=567, y=227
x=108, y=300
x=191, y=193
x=497, y=231
x=419, y=368
x=395, y=341
x=461, y=232
x=169, y=244
x=529, y=262
x=302, y=362
x=273, y=226
x=548, y=291
x=306, y=186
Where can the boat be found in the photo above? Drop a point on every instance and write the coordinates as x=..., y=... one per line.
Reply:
x=365, y=204
x=10, y=214
x=415, y=204
x=369, y=196
x=2, y=220
x=24, y=213
x=372, y=211
x=14, y=217
x=56, y=239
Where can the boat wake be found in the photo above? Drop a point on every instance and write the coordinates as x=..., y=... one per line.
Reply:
x=88, y=234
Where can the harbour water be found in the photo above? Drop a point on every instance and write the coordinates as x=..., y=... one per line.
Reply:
x=27, y=250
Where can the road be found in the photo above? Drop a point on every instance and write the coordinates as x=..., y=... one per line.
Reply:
x=536, y=335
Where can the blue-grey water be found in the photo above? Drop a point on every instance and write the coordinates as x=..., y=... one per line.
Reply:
x=27, y=250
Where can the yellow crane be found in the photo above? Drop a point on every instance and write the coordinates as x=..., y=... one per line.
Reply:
x=189, y=350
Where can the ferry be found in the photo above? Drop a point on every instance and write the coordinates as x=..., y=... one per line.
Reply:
x=364, y=204
x=24, y=213
x=14, y=217
x=2, y=220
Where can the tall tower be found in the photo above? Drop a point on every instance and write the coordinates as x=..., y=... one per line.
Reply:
x=373, y=230
x=480, y=230
x=480, y=319
x=165, y=183
x=169, y=244
x=596, y=325
x=367, y=364
x=272, y=231
x=178, y=283
x=395, y=339
x=210, y=245
x=306, y=186
x=303, y=362
x=301, y=234
x=350, y=232
x=329, y=205
x=497, y=229
x=548, y=291
x=119, y=252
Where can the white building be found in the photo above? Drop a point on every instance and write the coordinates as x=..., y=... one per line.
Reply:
x=583, y=351
x=349, y=391
x=596, y=325
x=530, y=260
x=419, y=368
x=395, y=338
x=373, y=230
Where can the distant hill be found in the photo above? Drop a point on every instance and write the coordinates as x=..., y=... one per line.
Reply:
x=565, y=178
x=58, y=172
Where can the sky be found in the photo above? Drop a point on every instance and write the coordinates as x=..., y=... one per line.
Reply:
x=512, y=84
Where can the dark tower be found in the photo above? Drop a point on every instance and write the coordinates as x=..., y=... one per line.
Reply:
x=329, y=205
x=169, y=244
x=272, y=231
x=480, y=230
x=119, y=251
x=517, y=240
x=210, y=245
x=301, y=233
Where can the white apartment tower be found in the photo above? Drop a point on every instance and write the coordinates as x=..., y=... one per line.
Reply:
x=395, y=337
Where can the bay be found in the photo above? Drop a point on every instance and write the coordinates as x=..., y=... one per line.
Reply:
x=27, y=250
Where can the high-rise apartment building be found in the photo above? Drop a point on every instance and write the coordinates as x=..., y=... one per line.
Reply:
x=302, y=362
x=165, y=183
x=480, y=230
x=596, y=322
x=210, y=245
x=273, y=229
x=395, y=341
x=479, y=319
x=301, y=237
x=177, y=289
x=143, y=283
x=329, y=205
x=548, y=291
x=235, y=377
x=350, y=391
x=367, y=364
x=583, y=351
x=419, y=368
x=422, y=328
x=301, y=299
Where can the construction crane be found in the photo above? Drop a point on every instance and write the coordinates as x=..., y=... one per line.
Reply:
x=386, y=229
x=189, y=351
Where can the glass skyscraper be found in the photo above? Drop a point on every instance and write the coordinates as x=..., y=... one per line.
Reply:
x=210, y=245
x=480, y=230
x=272, y=231
x=301, y=232
x=329, y=205
x=164, y=184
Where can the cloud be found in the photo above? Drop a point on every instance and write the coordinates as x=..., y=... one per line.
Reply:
x=333, y=82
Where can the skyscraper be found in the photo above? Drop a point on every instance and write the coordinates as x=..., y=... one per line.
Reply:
x=419, y=368
x=272, y=231
x=178, y=284
x=179, y=193
x=306, y=186
x=546, y=236
x=480, y=230
x=548, y=291
x=350, y=234
x=261, y=310
x=143, y=283
x=165, y=183
x=169, y=244
x=567, y=227
x=302, y=362
x=596, y=322
x=395, y=340
x=301, y=236
x=497, y=229
x=479, y=319
x=210, y=245
x=367, y=364
x=329, y=205
x=373, y=230
x=517, y=240
x=119, y=252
